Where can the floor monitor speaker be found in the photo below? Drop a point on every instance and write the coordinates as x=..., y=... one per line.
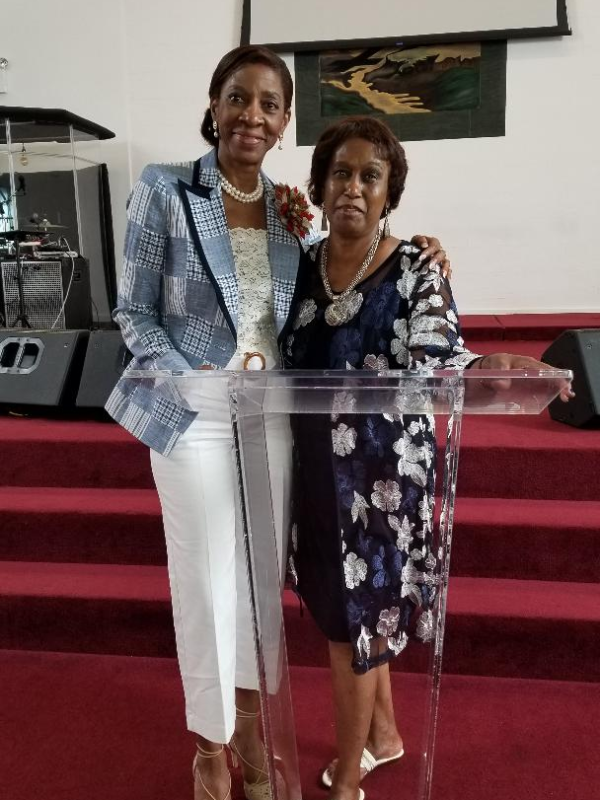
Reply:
x=105, y=360
x=578, y=350
x=41, y=368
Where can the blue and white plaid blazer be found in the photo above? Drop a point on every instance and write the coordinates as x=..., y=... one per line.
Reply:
x=178, y=296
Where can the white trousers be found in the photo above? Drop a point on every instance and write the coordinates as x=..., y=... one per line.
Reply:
x=198, y=491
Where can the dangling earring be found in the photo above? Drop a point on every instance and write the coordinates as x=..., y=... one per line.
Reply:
x=386, y=225
x=280, y=146
x=324, y=226
x=215, y=129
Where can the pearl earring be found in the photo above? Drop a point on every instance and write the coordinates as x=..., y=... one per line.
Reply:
x=215, y=129
x=280, y=146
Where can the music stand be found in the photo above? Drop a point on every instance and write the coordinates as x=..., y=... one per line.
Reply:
x=19, y=236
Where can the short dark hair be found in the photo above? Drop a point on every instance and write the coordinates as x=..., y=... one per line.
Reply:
x=372, y=130
x=230, y=63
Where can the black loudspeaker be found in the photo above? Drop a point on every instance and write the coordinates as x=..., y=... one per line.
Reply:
x=41, y=368
x=578, y=350
x=105, y=360
x=56, y=293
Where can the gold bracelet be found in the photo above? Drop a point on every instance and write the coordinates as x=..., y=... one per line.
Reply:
x=249, y=356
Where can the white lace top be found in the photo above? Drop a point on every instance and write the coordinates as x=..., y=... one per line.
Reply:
x=256, y=321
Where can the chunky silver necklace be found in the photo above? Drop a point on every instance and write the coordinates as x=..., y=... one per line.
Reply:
x=237, y=194
x=344, y=305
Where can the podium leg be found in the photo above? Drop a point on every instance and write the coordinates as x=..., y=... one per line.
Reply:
x=444, y=535
x=263, y=451
x=263, y=448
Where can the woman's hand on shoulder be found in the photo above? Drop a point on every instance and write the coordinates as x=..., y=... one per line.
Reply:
x=432, y=249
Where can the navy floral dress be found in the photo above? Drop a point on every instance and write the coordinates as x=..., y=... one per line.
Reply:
x=363, y=488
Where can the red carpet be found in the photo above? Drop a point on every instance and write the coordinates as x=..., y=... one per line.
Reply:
x=97, y=727
x=92, y=698
x=495, y=627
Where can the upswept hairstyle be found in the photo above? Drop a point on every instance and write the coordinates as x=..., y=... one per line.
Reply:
x=230, y=63
x=360, y=127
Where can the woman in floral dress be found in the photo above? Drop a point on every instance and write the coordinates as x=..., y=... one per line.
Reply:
x=364, y=484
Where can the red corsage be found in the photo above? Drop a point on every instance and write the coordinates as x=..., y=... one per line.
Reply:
x=292, y=207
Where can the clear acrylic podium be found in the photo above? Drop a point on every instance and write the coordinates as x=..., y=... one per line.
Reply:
x=263, y=408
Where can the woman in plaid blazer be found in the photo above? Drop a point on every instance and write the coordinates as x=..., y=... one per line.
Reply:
x=210, y=272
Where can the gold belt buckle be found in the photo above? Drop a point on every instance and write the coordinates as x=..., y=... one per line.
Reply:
x=249, y=364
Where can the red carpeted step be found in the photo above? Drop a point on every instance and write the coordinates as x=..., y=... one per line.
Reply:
x=507, y=628
x=104, y=526
x=534, y=629
x=88, y=608
x=50, y=452
x=109, y=726
x=516, y=456
x=490, y=534
x=528, y=457
x=495, y=627
x=123, y=526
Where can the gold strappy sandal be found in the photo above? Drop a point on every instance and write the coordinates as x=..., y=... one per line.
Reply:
x=200, y=788
x=260, y=789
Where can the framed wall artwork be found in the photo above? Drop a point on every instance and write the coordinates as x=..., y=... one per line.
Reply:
x=428, y=91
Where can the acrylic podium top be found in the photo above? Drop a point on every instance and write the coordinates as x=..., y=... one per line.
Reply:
x=363, y=391
x=28, y=125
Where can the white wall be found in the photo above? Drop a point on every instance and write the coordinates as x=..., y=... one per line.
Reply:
x=518, y=214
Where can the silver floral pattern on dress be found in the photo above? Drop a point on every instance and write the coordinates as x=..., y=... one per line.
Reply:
x=399, y=345
x=343, y=403
x=289, y=345
x=398, y=643
x=359, y=509
x=404, y=530
x=425, y=512
x=306, y=313
x=426, y=627
x=432, y=279
x=355, y=570
x=388, y=621
x=430, y=562
x=364, y=642
x=410, y=574
x=408, y=281
x=412, y=578
x=344, y=440
x=378, y=363
x=410, y=460
x=386, y=495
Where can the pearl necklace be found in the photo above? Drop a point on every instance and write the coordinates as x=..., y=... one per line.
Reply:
x=237, y=194
x=346, y=304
